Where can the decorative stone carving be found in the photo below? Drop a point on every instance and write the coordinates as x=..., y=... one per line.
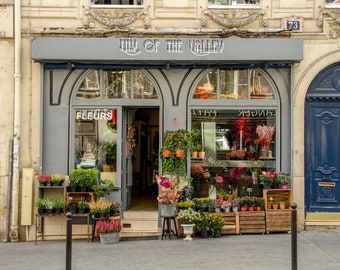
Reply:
x=116, y=18
x=234, y=18
x=334, y=32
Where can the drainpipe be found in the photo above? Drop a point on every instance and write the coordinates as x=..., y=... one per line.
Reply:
x=14, y=234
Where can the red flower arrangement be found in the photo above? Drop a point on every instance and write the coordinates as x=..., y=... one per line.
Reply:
x=103, y=226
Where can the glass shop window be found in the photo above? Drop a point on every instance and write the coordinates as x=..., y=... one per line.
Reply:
x=96, y=139
x=117, y=2
x=234, y=84
x=226, y=135
x=116, y=83
x=234, y=2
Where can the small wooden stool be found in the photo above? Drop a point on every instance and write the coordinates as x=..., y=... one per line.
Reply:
x=166, y=230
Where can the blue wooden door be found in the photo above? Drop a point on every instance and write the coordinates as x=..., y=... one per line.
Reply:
x=322, y=155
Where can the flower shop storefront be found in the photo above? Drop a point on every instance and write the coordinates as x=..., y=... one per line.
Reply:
x=235, y=106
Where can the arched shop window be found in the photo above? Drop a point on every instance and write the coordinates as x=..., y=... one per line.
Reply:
x=235, y=114
x=116, y=83
x=95, y=125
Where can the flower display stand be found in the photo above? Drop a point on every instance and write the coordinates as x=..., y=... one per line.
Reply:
x=252, y=222
x=231, y=223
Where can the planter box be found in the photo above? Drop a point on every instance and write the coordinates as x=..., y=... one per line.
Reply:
x=252, y=222
x=278, y=220
x=231, y=223
x=278, y=195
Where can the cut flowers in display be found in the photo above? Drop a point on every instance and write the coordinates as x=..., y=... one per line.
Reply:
x=168, y=198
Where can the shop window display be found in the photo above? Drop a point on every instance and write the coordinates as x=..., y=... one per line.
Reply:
x=240, y=142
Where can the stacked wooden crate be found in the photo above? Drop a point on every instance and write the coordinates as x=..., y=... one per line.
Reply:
x=231, y=223
x=252, y=222
x=278, y=220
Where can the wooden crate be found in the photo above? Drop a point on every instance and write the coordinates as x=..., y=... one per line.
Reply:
x=75, y=197
x=252, y=222
x=231, y=223
x=278, y=220
x=278, y=195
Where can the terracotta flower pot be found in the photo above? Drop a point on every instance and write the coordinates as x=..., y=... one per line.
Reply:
x=275, y=206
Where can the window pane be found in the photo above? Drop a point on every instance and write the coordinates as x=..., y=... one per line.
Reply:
x=89, y=88
x=206, y=88
x=234, y=84
x=142, y=86
x=260, y=87
x=116, y=83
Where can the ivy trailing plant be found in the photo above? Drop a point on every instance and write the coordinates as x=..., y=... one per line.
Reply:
x=174, y=141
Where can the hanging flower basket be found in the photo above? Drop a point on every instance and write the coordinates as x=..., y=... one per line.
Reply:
x=179, y=153
x=166, y=153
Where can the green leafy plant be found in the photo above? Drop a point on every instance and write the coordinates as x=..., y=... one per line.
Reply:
x=104, y=188
x=57, y=179
x=84, y=205
x=40, y=203
x=83, y=177
x=59, y=203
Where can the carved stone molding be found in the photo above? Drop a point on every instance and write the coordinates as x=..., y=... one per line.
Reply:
x=234, y=18
x=334, y=32
x=114, y=18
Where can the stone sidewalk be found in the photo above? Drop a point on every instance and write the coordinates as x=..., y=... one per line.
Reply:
x=316, y=250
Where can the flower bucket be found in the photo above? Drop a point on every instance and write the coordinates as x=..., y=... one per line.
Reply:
x=169, y=210
x=109, y=238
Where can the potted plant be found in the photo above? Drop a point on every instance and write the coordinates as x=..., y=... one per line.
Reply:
x=216, y=204
x=49, y=205
x=259, y=203
x=82, y=206
x=203, y=225
x=59, y=205
x=108, y=231
x=226, y=206
x=104, y=188
x=43, y=179
x=268, y=179
x=196, y=137
x=83, y=178
x=185, y=204
x=41, y=206
x=57, y=179
x=188, y=218
x=115, y=209
x=216, y=223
